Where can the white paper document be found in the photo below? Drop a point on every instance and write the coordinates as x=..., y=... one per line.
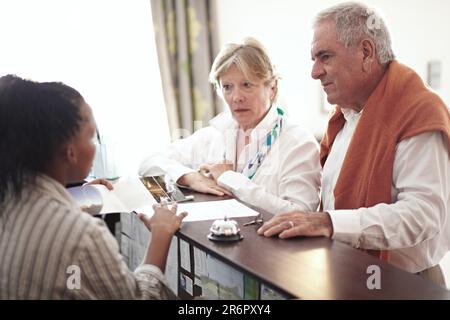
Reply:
x=128, y=194
x=185, y=256
x=200, y=268
x=213, y=210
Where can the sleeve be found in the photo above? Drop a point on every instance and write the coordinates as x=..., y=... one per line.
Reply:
x=294, y=167
x=421, y=180
x=181, y=157
x=104, y=274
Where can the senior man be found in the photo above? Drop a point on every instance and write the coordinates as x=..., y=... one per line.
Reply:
x=385, y=154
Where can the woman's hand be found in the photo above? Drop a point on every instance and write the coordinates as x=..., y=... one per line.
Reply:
x=104, y=182
x=199, y=182
x=217, y=169
x=163, y=224
x=164, y=220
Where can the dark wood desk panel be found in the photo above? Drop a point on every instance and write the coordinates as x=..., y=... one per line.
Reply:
x=310, y=268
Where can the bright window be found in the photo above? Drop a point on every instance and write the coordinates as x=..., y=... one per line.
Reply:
x=105, y=50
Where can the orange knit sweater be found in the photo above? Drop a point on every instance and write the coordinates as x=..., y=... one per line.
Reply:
x=400, y=107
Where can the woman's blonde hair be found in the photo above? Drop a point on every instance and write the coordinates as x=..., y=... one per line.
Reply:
x=250, y=57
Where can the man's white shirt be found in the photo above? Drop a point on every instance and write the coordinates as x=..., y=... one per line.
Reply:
x=415, y=227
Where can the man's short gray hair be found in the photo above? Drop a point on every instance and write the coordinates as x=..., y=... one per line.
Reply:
x=354, y=21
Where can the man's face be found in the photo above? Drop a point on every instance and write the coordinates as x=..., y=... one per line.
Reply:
x=338, y=68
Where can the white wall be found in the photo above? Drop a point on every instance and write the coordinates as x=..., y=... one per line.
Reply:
x=104, y=49
x=284, y=27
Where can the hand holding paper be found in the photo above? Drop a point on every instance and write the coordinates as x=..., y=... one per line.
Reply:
x=164, y=219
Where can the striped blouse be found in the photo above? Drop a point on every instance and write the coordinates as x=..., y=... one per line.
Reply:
x=50, y=249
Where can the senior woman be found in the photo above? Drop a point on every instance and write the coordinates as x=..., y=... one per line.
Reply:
x=252, y=150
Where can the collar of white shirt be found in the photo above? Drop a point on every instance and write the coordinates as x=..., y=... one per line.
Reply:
x=350, y=114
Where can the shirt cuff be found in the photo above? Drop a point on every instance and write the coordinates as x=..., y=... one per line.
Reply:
x=346, y=226
x=150, y=269
x=150, y=274
x=176, y=172
x=232, y=180
x=152, y=283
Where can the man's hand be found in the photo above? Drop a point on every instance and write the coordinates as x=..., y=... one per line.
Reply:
x=104, y=182
x=198, y=182
x=217, y=169
x=294, y=224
